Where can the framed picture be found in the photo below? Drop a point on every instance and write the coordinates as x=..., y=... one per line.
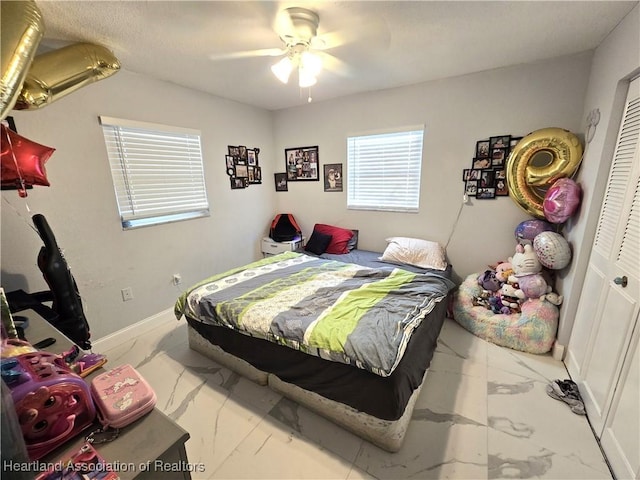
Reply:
x=332, y=177
x=237, y=183
x=482, y=149
x=499, y=157
x=486, y=193
x=281, y=182
x=229, y=160
x=481, y=163
x=252, y=159
x=502, y=190
x=514, y=141
x=258, y=174
x=251, y=174
x=302, y=163
x=487, y=178
x=242, y=171
x=471, y=187
x=242, y=153
x=503, y=141
x=234, y=151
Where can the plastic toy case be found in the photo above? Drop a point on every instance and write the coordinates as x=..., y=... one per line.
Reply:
x=52, y=403
x=121, y=396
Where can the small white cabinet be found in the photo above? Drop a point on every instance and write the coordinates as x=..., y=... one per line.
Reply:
x=271, y=247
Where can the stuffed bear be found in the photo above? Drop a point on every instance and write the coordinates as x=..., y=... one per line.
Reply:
x=503, y=271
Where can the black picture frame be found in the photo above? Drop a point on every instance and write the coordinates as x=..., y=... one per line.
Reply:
x=502, y=189
x=281, y=183
x=481, y=163
x=482, y=148
x=471, y=187
x=487, y=179
x=485, y=193
x=302, y=164
x=332, y=177
x=237, y=183
x=234, y=151
x=499, y=157
x=252, y=158
x=501, y=141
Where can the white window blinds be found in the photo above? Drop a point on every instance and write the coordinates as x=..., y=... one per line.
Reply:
x=383, y=170
x=157, y=172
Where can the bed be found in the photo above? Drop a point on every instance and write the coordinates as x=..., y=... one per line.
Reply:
x=347, y=335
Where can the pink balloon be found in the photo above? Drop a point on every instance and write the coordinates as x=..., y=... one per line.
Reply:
x=561, y=200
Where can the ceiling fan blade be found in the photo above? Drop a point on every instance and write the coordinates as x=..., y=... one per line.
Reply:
x=333, y=64
x=264, y=52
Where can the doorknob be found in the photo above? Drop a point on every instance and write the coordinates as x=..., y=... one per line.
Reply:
x=622, y=281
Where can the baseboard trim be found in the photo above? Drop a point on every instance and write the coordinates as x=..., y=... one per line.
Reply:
x=135, y=330
x=558, y=351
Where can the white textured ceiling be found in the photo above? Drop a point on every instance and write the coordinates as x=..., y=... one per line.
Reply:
x=378, y=44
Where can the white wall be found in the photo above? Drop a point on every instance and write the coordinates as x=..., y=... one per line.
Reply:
x=456, y=113
x=81, y=208
x=615, y=62
x=80, y=204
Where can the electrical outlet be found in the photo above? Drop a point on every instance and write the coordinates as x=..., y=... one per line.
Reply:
x=177, y=279
x=127, y=294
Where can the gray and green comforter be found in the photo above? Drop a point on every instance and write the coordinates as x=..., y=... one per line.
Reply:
x=337, y=311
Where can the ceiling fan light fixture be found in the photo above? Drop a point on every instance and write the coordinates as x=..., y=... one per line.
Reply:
x=311, y=63
x=282, y=70
x=306, y=78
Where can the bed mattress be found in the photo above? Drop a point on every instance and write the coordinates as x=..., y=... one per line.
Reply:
x=384, y=397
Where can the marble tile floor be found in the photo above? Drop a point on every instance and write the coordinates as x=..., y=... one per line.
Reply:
x=483, y=414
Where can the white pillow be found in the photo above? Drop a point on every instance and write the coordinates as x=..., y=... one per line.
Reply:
x=414, y=251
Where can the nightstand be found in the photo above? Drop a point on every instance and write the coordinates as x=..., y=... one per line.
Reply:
x=271, y=247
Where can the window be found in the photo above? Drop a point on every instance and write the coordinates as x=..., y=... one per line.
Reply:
x=157, y=172
x=383, y=170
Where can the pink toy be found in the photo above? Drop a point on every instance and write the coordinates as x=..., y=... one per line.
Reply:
x=122, y=396
x=52, y=403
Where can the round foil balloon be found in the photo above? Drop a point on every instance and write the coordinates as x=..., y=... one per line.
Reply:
x=561, y=200
x=552, y=249
x=22, y=161
x=529, y=229
x=536, y=162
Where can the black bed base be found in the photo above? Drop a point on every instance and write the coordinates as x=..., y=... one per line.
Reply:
x=381, y=397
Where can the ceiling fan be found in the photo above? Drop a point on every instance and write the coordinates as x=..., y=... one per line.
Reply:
x=303, y=50
x=300, y=38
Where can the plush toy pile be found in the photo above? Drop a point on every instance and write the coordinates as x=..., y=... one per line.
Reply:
x=512, y=303
x=508, y=284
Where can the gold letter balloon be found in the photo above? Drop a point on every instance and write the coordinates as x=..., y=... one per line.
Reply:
x=21, y=31
x=60, y=72
x=528, y=179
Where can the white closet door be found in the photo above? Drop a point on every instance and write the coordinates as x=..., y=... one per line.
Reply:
x=602, y=343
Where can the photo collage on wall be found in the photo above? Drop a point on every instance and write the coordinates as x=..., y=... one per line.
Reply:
x=487, y=176
x=243, y=167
